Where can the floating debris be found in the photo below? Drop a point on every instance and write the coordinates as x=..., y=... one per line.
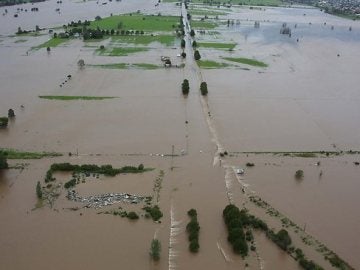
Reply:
x=99, y=201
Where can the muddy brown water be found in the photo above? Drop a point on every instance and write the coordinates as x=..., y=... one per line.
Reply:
x=305, y=100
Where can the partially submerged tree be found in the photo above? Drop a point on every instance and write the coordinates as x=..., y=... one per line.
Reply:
x=197, y=55
x=299, y=174
x=203, y=88
x=11, y=113
x=185, y=87
x=155, y=249
x=81, y=63
x=38, y=190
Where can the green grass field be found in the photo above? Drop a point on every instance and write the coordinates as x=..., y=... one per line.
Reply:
x=203, y=25
x=52, y=43
x=124, y=51
x=128, y=66
x=75, y=97
x=137, y=22
x=216, y=45
x=167, y=40
x=208, y=64
x=246, y=61
x=16, y=154
x=203, y=12
x=244, y=2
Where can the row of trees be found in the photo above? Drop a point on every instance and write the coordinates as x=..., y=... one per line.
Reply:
x=193, y=229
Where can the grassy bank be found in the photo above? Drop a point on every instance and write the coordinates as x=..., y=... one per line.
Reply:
x=203, y=25
x=215, y=45
x=208, y=64
x=75, y=97
x=16, y=154
x=54, y=42
x=246, y=61
x=120, y=51
x=128, y=66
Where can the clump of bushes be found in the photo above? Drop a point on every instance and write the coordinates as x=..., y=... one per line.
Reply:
x=282, y=239
x=154, y=212
x=203, y=88
x=132, y=215
x=193, y=229
x=185, y=87
x=250, y=164
x=155, y=249
x=70, y=184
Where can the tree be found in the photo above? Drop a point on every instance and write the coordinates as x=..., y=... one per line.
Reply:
x=283, y=239
x=38, y=190
x=203, y=88
x=194, y=44
x=197, y=55
x=81, y=63
x=185, y=87
x=183, y=43
x=192, y=33
x=155, y=249
x=3, y=162
x=11, y=113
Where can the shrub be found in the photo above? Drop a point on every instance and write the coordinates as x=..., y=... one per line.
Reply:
x=299, y=174
x=192, y=213
x=249, y=164
x=154, y=212
x=11, y=113
x=183, y=43
x=192, y=33
x=132, y=215
x=194, y=44
x=203, y=88
x=155, y=249
x=141, y=167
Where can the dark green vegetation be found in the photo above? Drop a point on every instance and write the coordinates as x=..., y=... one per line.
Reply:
x=38, y=190
x=75, y=97
x=3, y=162
x=17, y=2
x=211, y=64
x=15, y=154
x=228, y=46
x=197, y=55
x=203, y=24
x=185, y=87
x=4, y=121
x=90, y=168
x=193, y=229
x=153, y=212
x=250, y=164
x=155, y=249
x=246, y=61
x=299, y=174
x=203, y=88
x=234, y=220
x=131, y=215
x=282, y=239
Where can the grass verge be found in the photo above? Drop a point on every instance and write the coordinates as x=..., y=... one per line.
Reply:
x=228, y=46
x=208, y=64
x=16, y=154
x=246, y=61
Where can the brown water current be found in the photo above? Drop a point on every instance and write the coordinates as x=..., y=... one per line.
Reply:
x=307, y=99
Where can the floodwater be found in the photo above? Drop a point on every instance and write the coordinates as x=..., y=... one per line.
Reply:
x=306, y=100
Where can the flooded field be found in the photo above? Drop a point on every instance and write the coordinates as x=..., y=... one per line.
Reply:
x=297, y=112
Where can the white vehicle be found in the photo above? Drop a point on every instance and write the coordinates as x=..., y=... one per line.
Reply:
x=239, y=171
